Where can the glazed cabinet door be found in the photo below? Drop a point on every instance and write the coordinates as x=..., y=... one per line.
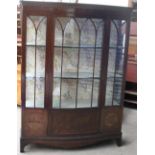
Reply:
x=35, y=54
x=116, y=62
x=111, y=113
x=77, y=56
x=34, y=115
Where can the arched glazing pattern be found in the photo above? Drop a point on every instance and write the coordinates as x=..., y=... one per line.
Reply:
x=88, y=34
x=77, y=59
x=113, y=35
x=64, y=21
x=58, y=48
x=81, y=22
x=31, y=32
x=71, y=34
x=41, y=32
x=35, y=61
x=58, y=33
x=100, y=35
x=115, y=63
x=36, y=30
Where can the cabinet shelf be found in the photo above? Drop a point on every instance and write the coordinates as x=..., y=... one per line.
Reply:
x=85, y=76
x=78, y=47
x=93, y=47
x=73, y=75
x=58, y=77
x=30, y=45
x=36, y=77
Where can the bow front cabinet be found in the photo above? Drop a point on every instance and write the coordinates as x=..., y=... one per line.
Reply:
x=73, y=71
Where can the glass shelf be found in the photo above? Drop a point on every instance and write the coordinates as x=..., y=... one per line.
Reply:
x=75, y=75
x=33, y=45
x=116, y=47
x=32, y=77
x=94, y=47
x=97, y=47
x=117, y=75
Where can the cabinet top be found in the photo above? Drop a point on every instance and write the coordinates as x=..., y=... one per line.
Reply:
x=79, y=9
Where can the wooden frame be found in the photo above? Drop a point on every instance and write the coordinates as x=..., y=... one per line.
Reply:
x=82, y=126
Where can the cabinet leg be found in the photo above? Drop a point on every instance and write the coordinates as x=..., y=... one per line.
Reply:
x=22, y=145
x=119, y=141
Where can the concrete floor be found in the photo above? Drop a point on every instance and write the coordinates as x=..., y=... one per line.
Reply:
x=106, y=148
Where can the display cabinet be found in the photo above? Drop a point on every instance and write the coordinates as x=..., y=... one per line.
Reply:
x=73, y=67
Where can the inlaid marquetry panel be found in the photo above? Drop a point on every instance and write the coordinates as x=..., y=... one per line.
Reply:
x=111, y=119
x=34, y=124
x=70, y=122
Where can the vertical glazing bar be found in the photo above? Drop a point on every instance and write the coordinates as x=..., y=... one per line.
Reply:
x=35, y=69
x=77, y=81
x=104, y=62
x=61, y=66
x=92, y=91
x=104, y=67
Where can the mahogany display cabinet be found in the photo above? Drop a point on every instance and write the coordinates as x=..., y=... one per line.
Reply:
x=73, y=72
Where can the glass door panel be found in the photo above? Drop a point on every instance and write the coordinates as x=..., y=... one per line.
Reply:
x=57, y=61
x=70, y=62
x=35, y=61
x=30, y=62
x=77, y=60
x=88, y=34
x=40, y=62
x=39, y=94
x=56, y=92
x=68, y=93
x=71, y=33
x=95, y=92
x=115, y=63
x=29, y=92
x=97, y=64
x=86, y=63
x=84, y=93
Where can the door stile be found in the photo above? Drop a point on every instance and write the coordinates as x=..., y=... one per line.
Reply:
x=49, y=61
x=104, y=64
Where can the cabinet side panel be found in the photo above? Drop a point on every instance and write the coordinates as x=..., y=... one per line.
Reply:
x=34, y=122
